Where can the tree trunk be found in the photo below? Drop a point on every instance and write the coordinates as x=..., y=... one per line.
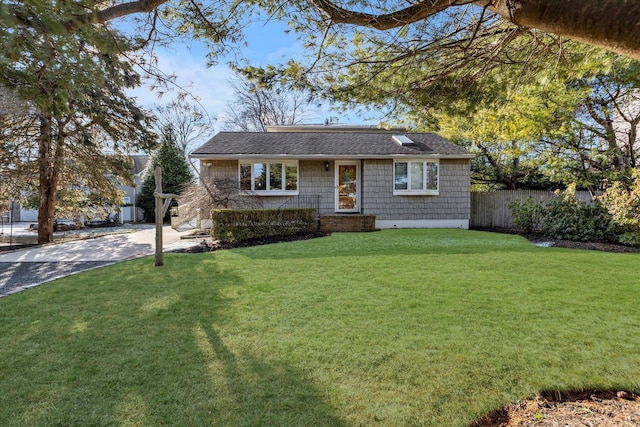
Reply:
x=610, y=24
x=49, y=163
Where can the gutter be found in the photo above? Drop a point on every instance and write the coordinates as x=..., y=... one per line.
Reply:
x=328, y=156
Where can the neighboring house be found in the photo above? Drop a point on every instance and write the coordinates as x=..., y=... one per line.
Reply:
x=357, y=178
x=128, y=211
x=20, y=213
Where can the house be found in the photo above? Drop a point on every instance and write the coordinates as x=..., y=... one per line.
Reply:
x=357, y=177
x=128, y=211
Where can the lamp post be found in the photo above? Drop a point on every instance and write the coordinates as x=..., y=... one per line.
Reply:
x=162, y=204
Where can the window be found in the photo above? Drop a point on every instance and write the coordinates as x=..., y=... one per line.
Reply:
x=269, y=178
x=415, y=177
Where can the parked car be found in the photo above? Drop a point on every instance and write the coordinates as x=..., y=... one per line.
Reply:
x=110, y=220
x=64, y=224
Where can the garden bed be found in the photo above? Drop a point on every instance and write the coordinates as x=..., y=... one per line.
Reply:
x=570, y=244
x=579, y=408
x=208, y=245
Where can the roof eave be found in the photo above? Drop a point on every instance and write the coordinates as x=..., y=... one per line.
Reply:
x=327, y=156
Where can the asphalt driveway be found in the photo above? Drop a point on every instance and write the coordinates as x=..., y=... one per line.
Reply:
x=24, y=268
x=18, y=276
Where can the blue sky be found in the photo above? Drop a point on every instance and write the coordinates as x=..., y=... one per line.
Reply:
x=267, y=43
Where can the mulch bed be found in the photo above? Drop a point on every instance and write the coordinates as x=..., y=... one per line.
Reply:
x=209, y=245
x=595, y=246
x=571, y=409
x=570, y=244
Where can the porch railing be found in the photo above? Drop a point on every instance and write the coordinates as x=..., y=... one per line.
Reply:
x=303, y=201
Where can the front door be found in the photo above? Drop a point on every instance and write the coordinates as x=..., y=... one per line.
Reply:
x=347, y=186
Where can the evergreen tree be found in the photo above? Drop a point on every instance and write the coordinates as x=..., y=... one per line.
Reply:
x=76, y=112
x=176, y=174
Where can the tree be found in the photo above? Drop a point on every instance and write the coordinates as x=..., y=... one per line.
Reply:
x=71, y=66
x=609, y=24
x=449, y=46
x=73, y=85
x=610, y=114
x=568, y=126
x=255, y=107
x=599, y=142
x=175, y=172
x=189, y=121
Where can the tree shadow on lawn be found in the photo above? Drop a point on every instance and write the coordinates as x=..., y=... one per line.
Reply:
x=147, y=354
x=261, y=392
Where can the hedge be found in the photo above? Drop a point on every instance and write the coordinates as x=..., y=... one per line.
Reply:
x=234, y=225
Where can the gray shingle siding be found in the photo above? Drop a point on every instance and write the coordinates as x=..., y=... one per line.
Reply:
x=313, y=179
x=220, y=168
x=452, y=203
x=375, y=152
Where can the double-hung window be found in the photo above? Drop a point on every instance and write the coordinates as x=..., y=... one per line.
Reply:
x=269, y=178
x=415, y=177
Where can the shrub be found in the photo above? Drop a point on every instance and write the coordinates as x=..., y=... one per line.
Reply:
x=234, y=225
x=526, y=215
x=622, y=200
x=631, y=238
x=567, y=217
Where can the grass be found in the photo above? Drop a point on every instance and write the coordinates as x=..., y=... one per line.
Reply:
x=398, y=327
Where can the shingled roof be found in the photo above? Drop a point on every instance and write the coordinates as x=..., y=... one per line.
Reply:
x=320, y=145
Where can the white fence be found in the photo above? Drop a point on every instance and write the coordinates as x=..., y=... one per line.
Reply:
x=491, y=209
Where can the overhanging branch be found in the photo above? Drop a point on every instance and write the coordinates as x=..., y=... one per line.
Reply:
x=416, y=12
x=114, y=12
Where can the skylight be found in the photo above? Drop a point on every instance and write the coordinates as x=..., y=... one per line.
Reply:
x=402, y=140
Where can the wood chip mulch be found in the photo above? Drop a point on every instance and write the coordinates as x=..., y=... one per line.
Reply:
x=209, y=245
x=576, y=409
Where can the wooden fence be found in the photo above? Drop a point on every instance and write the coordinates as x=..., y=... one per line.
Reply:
x=491, y=210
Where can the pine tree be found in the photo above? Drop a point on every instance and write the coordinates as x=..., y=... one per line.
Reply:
x=176, y=174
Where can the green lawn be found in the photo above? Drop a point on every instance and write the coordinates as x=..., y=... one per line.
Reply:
x=398, y=327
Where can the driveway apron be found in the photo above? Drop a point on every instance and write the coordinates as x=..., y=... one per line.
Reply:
x=24, y=268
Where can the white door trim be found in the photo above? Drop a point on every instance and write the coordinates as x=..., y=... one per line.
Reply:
x=356, y=183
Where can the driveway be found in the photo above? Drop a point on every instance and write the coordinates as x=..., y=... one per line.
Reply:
x=24, y=268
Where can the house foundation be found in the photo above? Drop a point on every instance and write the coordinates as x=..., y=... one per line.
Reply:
x=347, y=222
